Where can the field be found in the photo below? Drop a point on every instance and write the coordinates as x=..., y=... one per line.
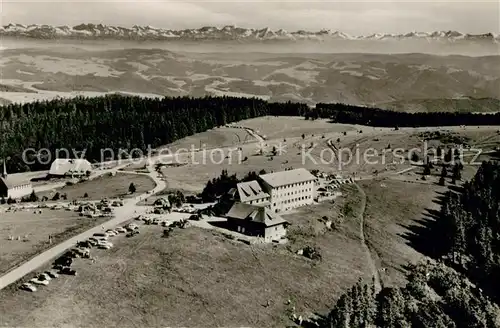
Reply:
x=104, y=187
x=393, y=208
x=289, y=127
x=217, y=137
x=199, y=167
x=296, y=152
x=37, y=227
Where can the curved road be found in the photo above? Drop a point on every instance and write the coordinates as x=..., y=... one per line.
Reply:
x=122, y=214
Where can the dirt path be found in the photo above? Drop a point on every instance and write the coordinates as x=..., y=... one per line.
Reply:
x=369, y=258
x=255, y=135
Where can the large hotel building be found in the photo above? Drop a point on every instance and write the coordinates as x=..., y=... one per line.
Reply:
x=279, y=191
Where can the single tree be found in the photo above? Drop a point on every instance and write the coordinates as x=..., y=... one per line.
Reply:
x=427, y=170
x=131, y=188
x=56, y=196
x=415, y=158
x=33, y=197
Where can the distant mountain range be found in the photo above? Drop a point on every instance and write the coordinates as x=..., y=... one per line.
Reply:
x=143, y=33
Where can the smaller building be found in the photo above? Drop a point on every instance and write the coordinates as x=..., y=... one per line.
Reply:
x=14, y=186
x=64, y=167
x=251, y=193
x=258, y=221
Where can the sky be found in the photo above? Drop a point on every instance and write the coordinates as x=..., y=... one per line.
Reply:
x=354, y=17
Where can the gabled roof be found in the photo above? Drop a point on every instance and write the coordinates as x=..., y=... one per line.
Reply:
x=13, y=181
x=283, y=178
x=251, y=190
x=62, y=166
x=257, y=214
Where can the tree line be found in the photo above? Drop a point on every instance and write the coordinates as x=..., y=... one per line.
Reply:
x=434, y=296
x=341, y=113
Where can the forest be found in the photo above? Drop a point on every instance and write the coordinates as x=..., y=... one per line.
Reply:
x=88, y=126
x=459, y=287
x=341, y=113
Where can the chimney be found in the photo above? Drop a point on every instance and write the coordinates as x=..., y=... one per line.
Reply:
x=4, y=171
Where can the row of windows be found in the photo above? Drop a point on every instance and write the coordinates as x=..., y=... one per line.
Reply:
x=293, y=192
x=258, y=201
x=288, y=201
x=293, y=185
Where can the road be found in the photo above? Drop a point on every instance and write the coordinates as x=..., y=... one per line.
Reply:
x=122, y=214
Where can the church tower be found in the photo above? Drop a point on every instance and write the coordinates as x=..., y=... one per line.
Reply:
x=4, y=170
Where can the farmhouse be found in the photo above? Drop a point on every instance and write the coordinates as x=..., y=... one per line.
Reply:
x=13, y=187
x=256, y=221
x=63, y=167
x=251, y=193
x=289, y=189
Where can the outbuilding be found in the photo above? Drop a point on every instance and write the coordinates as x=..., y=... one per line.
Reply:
x=64, y=167
x=256, y=221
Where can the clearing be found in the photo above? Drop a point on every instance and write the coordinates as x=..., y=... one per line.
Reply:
x=36, y=228
x=105, y=186
x=217, y=137
x=291, y=126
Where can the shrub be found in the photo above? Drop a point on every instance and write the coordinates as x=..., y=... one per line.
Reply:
x=57, y=196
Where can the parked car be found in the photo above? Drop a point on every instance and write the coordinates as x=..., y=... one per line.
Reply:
x=104, y=246
x=28, y=287
x=37, y=281
x=105, y=243
x=52, y=274
x=121, y=230
x=100, y=235
x=111, y=233
x=57, y=267
x=44, y=276
x=68, y=271
x=93, y=241
x=84, y=244
x=194, y=217
x=63, y=261
x=132, y=227
x=133, y=233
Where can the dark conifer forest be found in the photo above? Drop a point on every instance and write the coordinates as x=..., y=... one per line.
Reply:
x=126, y=122
x=341, y=113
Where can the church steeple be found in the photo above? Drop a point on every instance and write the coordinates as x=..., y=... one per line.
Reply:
x=4, y=170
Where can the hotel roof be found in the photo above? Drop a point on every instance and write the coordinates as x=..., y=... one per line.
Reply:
x=251, y=190
x=283, y=178
x=255, y=213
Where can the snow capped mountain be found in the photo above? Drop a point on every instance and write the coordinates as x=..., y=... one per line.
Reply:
x=100, y=31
